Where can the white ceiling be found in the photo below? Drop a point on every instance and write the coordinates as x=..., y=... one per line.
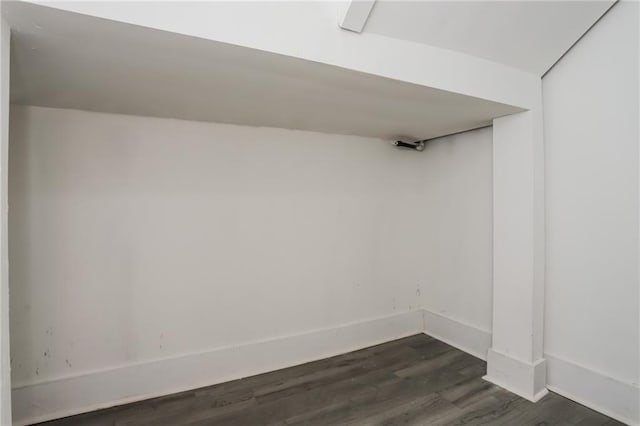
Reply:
x=68, y=60
x=528, y=35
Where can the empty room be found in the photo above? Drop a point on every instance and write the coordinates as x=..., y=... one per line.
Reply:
x=353, y=212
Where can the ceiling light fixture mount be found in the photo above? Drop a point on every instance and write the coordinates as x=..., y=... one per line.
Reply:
x=416, y=146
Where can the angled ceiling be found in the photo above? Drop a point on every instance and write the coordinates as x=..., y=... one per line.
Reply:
x=68, y=60
x=228, y=74
x=528, y=35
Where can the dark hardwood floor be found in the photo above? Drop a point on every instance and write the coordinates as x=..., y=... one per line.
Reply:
x=413, y=381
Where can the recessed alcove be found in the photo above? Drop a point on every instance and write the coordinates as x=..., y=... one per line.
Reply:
x=200, y=192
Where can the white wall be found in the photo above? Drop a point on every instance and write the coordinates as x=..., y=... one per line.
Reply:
x=135, y=239
x=5, y=376
x=459, y=254
x=591, y=136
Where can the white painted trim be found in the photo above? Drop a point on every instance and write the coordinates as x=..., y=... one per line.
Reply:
x=66, y=396
x=527, y=380
x=356, y=15
x=594, y=389
x=466, y=337
x=83, y=393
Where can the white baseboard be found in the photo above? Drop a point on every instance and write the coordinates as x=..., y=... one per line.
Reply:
x=594, y=389
x=527, y=380
x=468, y=338
x=82, y=393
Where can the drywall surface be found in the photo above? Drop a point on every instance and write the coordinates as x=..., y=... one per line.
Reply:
x=529, y=35
x=140, y=244
x=5, y=376
x=591, y=136
x=459, y=255
x=309, y=30
x=61, y=67
x=456, y=262
x=134, y=239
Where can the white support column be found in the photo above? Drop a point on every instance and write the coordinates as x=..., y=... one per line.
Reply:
x=515, y=360
x=5, y=373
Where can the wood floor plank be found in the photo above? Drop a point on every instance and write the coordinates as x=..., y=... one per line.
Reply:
x=469, y=392
x=417, y=380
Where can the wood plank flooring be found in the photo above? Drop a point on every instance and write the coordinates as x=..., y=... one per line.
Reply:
x=417, y=380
